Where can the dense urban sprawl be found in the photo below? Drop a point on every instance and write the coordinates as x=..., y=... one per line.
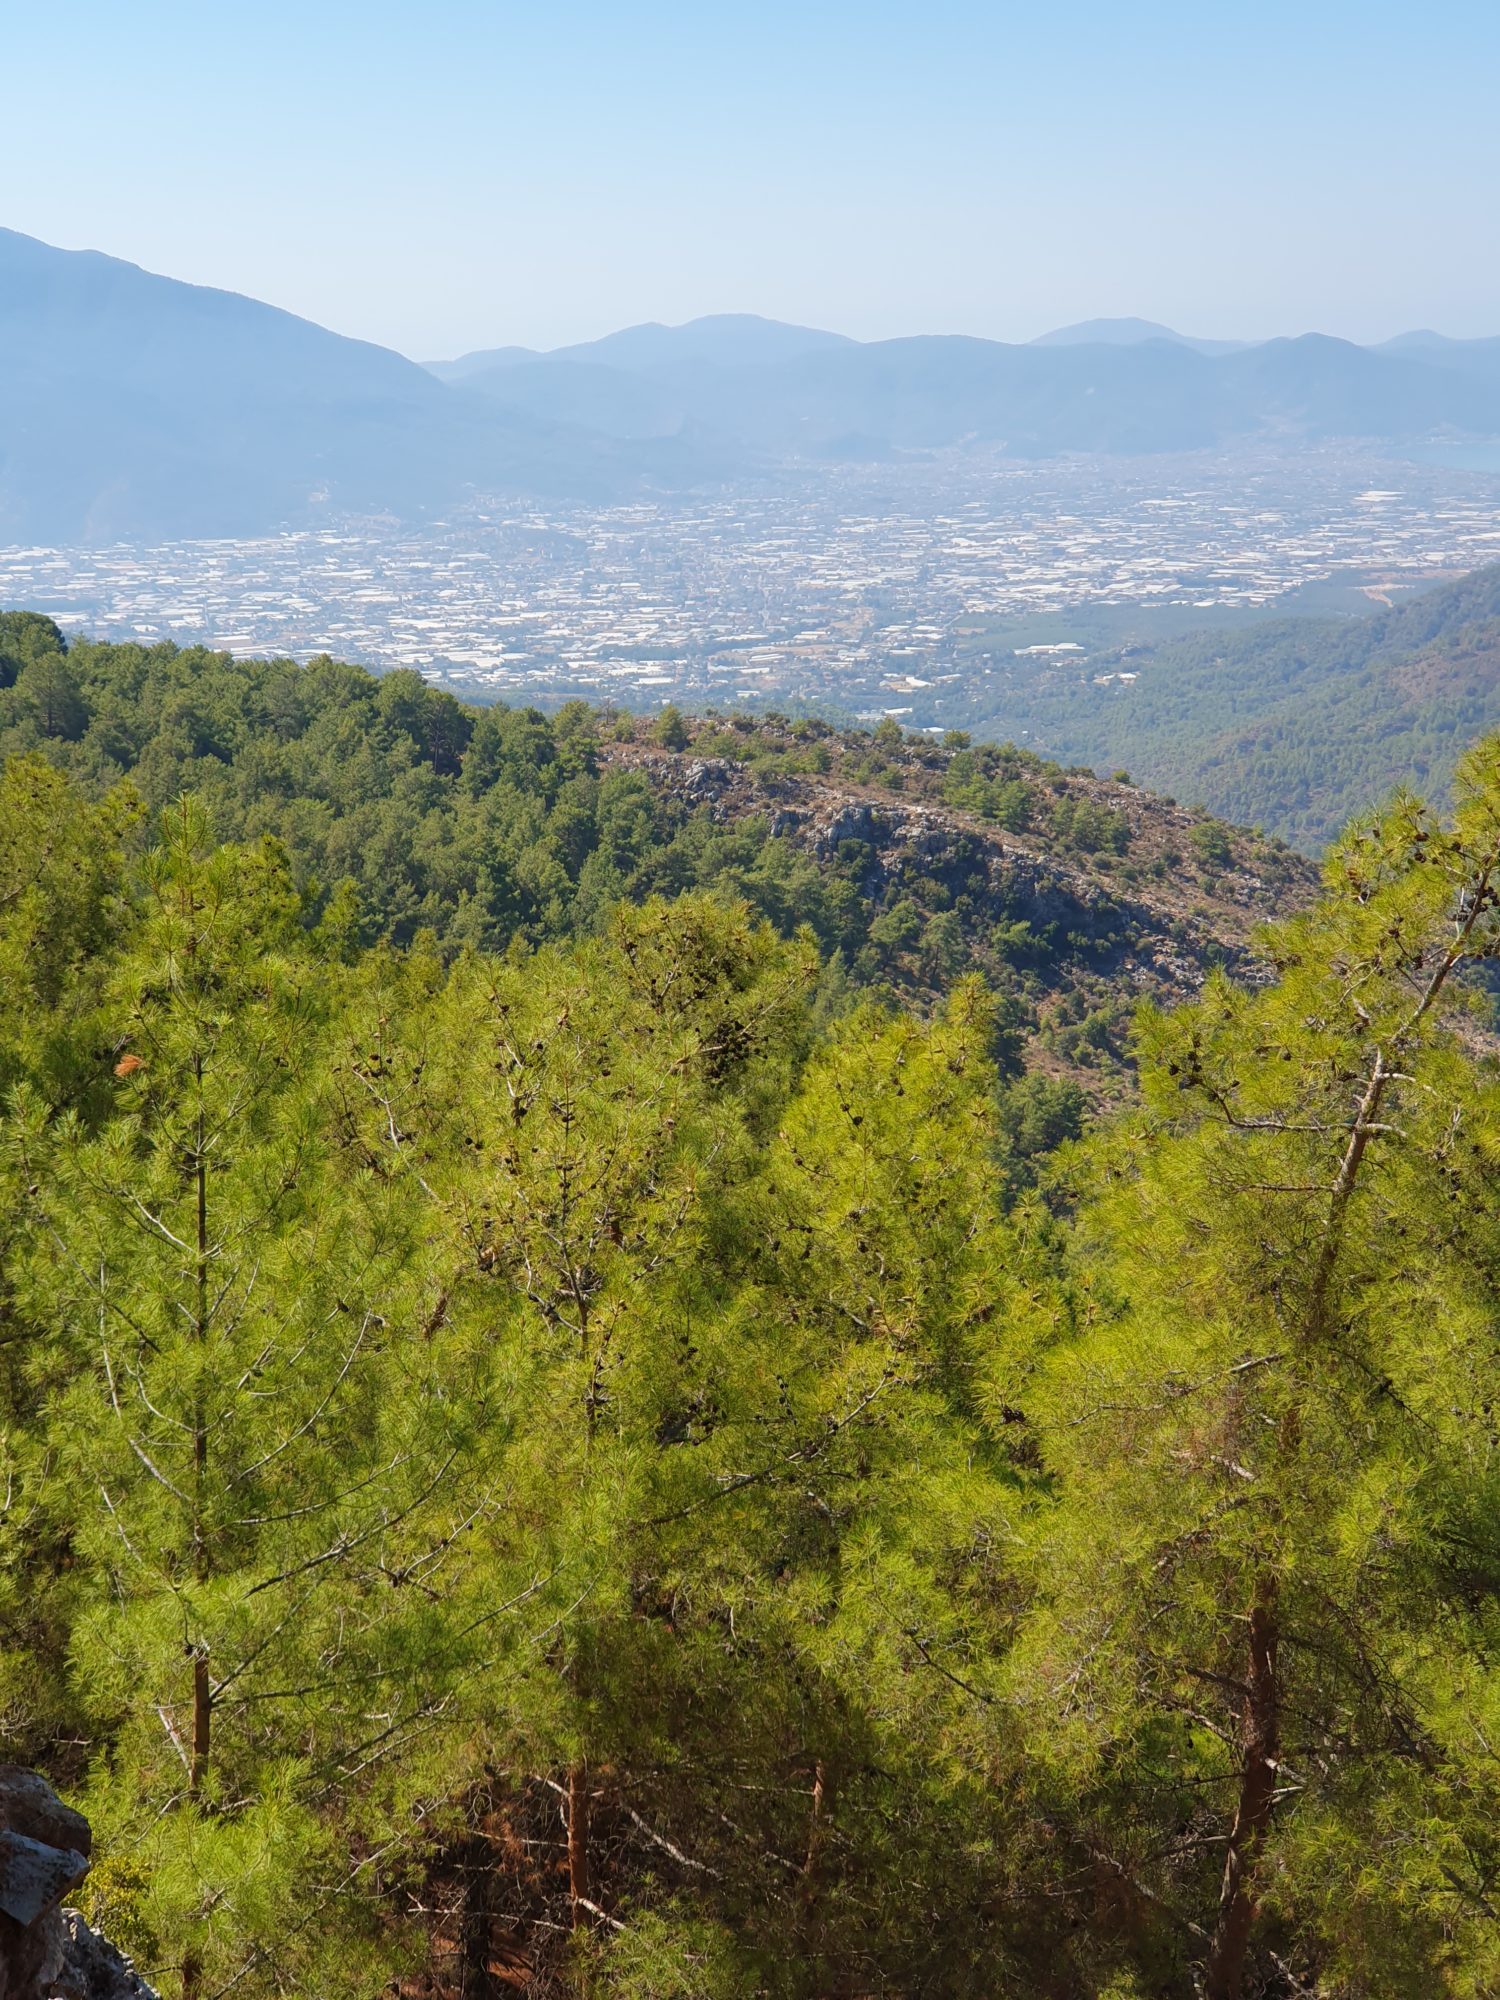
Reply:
x=917, y=589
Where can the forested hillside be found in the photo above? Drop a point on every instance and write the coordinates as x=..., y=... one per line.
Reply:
x=910, y=861
x=558, y=1441
x=1295, y=725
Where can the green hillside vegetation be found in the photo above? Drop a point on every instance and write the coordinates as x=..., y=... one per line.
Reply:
x=563, y=1452
x=400, y=811
x=1295, y=725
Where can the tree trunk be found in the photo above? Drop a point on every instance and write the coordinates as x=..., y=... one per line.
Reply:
x=578, y=1843
x=1238, y=1900
x=192, y=1963
x=202, y=1685
x=203, y=1710
x=815, y=1832
x=475, y=1870
x=809, y=1926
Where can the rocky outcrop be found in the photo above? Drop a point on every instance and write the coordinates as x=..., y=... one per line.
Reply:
x=1153, y=936
x=48, y=1952
x=92, y=1969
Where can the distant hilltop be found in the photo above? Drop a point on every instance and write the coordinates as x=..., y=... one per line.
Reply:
x=747, y=339
x=723, y=340
x=136, y=407
x=1130, y=333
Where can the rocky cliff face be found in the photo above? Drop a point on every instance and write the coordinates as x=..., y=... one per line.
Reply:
x=48, y=1952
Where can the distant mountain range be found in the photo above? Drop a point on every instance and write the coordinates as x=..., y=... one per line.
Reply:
x=721, y=340
x=133, y=406
x=1104, y=386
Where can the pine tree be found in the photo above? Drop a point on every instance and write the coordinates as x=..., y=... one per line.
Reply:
x=62, y=908
x=1265, y=1657
x=62, y=911
x=575, y=1123
x=218, y=1313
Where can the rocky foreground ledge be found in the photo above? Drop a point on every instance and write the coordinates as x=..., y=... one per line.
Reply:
x=48, y=1952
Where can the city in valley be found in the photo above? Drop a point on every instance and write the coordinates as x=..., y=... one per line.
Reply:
x=920, y=589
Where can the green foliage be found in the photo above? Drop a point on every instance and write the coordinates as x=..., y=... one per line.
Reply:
x=1267, y=1585
x=400, y=810
x=47, y=692
x=669, y=729
x=1293, y=724
x=1086, y=827
x=1210, y=844
x=208, y=1300
x=574, y=1446
x=975, y=784
x=1037, y=1114
x=25, y=639
x=62, y=870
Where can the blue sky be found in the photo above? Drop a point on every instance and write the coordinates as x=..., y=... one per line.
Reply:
x=461, y=174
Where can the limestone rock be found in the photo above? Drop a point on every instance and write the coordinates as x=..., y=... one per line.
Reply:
x=46, y=1952
x=92, y=1969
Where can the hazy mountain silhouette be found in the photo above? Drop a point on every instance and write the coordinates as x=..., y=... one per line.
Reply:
x=724, y=340
x=558, y=389
x=481, y=362
x=1129, y=333
x=133, y=405
x=1479, y=359
x=934, y=391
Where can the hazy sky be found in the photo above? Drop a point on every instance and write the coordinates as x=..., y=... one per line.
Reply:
x=468, y=172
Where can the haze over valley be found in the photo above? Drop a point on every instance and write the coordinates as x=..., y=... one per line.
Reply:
x=948, y=531
x=136, y=407
x=925, y=590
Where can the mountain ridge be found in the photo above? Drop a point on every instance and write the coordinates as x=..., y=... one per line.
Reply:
x=135, y=407
x=132, y=404
x=729, y=339
x=927, y=392
x=1130, y=332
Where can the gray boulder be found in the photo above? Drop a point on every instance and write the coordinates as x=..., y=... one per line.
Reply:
x=47, y=1952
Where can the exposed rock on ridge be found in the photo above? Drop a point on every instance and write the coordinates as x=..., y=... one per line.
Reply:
x=1156, y=938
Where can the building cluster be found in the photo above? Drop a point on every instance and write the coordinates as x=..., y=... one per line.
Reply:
x=862, y=589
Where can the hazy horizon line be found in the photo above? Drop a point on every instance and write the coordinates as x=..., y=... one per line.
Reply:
x=1182, y=326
